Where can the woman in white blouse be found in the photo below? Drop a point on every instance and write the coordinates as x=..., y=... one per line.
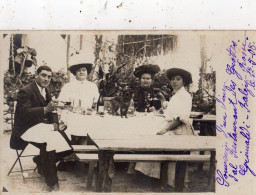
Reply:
x=180, y=105
x=177, y=123
x=80, y=92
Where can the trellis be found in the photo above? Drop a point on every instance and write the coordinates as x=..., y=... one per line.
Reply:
x=146, y=45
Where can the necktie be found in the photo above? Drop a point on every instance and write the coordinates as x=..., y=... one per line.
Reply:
x=43, y=93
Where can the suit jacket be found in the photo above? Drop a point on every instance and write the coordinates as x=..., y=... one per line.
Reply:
x=29, y=112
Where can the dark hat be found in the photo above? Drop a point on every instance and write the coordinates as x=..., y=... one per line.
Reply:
x=78, y=61
x=147, y=68
x=186, y=76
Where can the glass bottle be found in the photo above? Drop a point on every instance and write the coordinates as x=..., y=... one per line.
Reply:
x=100, y=104
x=131, y=108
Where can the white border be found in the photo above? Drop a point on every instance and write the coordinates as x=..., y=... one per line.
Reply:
x=127, y=14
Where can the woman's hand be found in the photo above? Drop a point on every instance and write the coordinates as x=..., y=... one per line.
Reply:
x=55, y=127
x=151, y=109
x=161, y=132
x=165, y=104
x=62, y=126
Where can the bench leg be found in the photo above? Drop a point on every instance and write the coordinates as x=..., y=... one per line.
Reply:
x=105, y=171
x=211, y=179
x=90, y=175
x=79, y=169
x=201, y=164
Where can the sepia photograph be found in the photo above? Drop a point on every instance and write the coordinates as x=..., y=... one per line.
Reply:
x=126, y=111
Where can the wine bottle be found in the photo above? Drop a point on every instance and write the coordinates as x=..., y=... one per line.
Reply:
x=131, y=108
x=100, y=104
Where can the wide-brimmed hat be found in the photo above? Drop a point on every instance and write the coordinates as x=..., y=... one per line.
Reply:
x=186, y=76
x=147, y=68
x=78, y=61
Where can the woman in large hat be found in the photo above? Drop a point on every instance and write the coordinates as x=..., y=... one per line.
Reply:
x=80, y=92
x=177, y=122
x=146, y=98
x=180, y=105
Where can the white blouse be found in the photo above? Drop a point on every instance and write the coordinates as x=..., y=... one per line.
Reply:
x=79, y=93
x=179, y=106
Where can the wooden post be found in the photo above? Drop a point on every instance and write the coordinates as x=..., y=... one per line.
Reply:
x=12, y=53
x=161, y=45
x=203, y=62
x=211, y=179
x=123, y=42
x=81, y=42
x=105, y=171
x=67, y=56
x=145, y=47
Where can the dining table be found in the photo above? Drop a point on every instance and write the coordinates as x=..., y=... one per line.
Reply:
x=137, y=133
x=207, y=124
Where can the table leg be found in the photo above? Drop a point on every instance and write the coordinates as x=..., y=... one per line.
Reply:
x=211, y=179
x=105, y=171
x=214, y=129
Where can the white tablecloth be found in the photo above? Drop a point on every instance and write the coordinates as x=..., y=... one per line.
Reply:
x=44, y=133
x=141, y=124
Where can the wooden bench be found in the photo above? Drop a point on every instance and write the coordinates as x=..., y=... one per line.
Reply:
x=92, y=158
x=85, y=148
x=146, y=158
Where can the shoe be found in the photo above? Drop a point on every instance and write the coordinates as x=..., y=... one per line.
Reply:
x=166, y=189
x=56, y=187
x=47, y=189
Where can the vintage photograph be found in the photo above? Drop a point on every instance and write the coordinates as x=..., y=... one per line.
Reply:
x=110, y=111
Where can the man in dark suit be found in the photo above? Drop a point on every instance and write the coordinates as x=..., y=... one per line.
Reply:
x=34, y=106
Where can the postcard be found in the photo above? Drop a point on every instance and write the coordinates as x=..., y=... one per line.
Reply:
x=137, y=111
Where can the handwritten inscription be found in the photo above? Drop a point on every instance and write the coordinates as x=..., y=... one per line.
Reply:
x=238, y=91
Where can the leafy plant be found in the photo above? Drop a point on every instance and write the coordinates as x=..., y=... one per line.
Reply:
x=13, y=83
x=204, y=98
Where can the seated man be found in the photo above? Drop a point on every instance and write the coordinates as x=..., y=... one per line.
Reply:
x=34, y=123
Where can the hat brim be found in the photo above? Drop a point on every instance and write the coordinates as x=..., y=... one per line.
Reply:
x=186, y=76
x=148, y=68
x=75, y=67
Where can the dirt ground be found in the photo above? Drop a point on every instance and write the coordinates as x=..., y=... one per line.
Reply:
x=71, y=181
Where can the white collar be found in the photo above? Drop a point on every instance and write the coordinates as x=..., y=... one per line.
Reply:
x=80, y=82
x=180, y=90
x=41, y=89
